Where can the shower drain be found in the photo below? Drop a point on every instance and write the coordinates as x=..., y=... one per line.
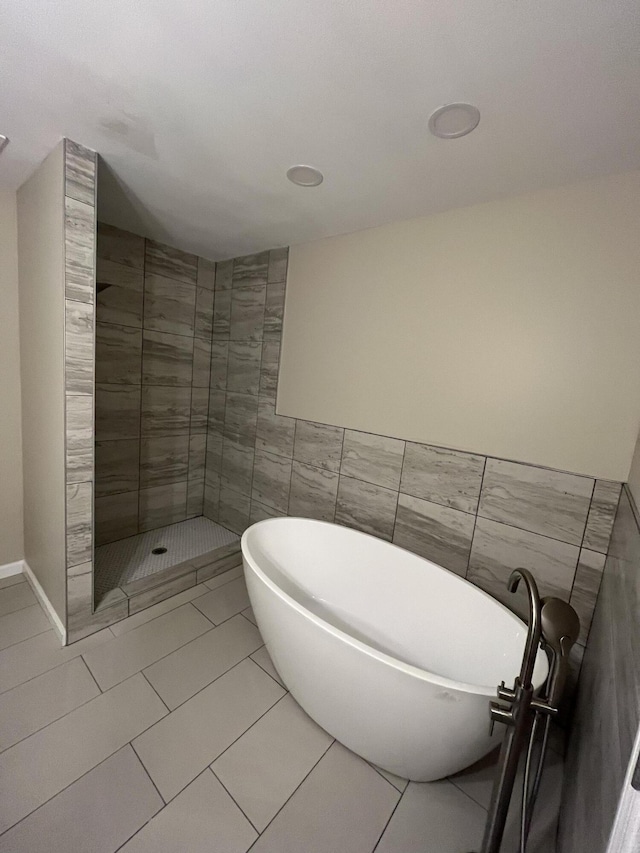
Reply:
x=159, y=551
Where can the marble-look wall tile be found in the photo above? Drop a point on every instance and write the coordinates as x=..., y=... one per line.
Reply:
x=78, y=347
x=498, y=549
x=366, y=507
x=217, y=405
x=442, y=476
x=79, y=438
x=117, y=411
x=241, y=414
x=260, y=512
x=118, y=354
x=163, y=460
x=79, y=593
x=197, y=457
x=319, y=445
x=79, y=515
x=199, y=410
x=204, y=313
x=166, y=261
x=274, y=310
x=162, y=505
x=274, y=433
x=219, y=361
x=372, y=458
x=271, y=480
x=221, y=314
x=237, y=466
x=79, y=172
x=536, y=499
x=206, y=274
x=117, y=466
x=166, y=359
x=269, y=368
x=586, y=586
x=278, y=259
x=79, y=253
x=211, y=499
x=116, y=516
x=224, y=275
x=169, y=306
x=313, y=492
x=247, y=313
x=234, y=510
x=201, y=363
x=215, y=443
x=243, y=370
x=117, y=274
x=120, y=246
x=602, y=514
x=195, y=498
x=251, y=269
x=437, y=532
x=121, y=306
x=165, y=411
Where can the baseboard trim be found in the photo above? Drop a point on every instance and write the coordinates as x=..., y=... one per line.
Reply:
x=10, y=569
x=48, y=607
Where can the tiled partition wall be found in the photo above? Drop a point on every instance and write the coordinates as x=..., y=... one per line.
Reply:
x=153, y=353
x=479, y=517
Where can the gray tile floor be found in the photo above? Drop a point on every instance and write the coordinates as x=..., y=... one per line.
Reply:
x=131, y=559
x=172, y=733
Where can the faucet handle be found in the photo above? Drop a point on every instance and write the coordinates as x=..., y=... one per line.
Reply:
x=506, y=693
x=499, y=714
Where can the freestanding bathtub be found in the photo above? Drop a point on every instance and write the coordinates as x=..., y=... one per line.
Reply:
x=391, y=654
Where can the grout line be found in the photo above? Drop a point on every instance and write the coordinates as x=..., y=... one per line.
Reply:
x=142, y=673
x=263, y=669
x=462, y=791
x=475, y=520
x=89, y=671
x=149, y=775
x=385, y=827
x=215, y=775
x=382, y=776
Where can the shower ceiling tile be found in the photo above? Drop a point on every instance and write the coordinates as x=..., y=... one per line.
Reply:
x=498, y=548
x=164, y=260
x=373, y=458
x=117, y=466
x=166, y=359
x=366, y=507
x=121, y=247
x=163, y=460
x=548, y=502
x=443, y=476
x=118, y=354
x=162, y=505
x=117, y=411
x=169, y=306
x=436, y=532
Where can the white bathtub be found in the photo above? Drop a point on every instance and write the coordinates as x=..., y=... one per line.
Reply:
x=391, y=654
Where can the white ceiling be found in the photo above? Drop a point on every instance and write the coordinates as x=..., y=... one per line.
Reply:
x=198, y=108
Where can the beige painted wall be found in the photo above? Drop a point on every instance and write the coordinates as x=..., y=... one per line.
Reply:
x=41, y=272
x=510, y=328
x=11, y=538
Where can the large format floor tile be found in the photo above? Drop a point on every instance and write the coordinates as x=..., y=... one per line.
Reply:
x=225, y=601
x=16, y=597
x=265, y=766
x=343, y=805
x=22, y=624
x=434, y=817
x=178, y=748
x=97, y=813
x=202, y=819
x=38, y=702
x=137, y=649
x=263, y=659
x=183, y=673
x=34, y=770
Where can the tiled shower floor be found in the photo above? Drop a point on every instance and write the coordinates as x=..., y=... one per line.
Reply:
x=170, y=732
x=131, y=559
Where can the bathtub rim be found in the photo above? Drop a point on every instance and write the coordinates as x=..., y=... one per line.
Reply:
x=382, y=657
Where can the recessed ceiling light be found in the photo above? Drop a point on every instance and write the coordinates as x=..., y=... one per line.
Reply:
x=454, y=120
x=4, y=141
x=305, y=176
